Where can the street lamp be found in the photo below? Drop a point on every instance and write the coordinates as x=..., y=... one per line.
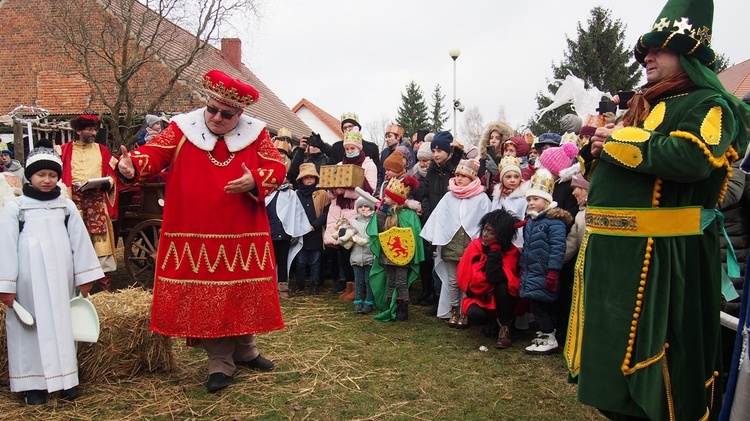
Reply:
x=454, y=53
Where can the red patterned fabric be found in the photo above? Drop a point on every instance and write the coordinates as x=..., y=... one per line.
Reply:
x=93, y=211
x=215, y=274
x=472, y=277
x=109, y=163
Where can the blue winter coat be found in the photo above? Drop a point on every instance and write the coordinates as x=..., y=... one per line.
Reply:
x=543, y=250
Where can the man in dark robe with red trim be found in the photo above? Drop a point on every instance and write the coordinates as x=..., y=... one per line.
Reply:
x=215, y=270
x=84, y=159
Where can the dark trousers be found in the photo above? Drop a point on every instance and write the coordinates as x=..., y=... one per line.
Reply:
x=543, y=315
x=281, y=251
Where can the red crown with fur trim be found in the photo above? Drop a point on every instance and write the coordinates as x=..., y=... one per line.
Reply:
x=399, y=190
x=227, y=90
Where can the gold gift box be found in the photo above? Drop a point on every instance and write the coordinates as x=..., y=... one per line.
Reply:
x=345, y=176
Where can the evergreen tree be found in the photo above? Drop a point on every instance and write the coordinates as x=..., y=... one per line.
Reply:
x=597, y=56
x=439, y=115
x=412, y=114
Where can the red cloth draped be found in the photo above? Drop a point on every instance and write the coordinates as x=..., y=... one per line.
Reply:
x=109, y=198
x=471, y=275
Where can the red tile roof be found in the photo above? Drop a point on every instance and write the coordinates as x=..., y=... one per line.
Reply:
x=332, y=122
x=38, y=73
x=736, y=79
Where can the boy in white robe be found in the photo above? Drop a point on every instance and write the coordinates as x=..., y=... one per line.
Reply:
x=47, y=255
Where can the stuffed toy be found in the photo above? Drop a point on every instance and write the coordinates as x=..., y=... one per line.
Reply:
x=346, y=235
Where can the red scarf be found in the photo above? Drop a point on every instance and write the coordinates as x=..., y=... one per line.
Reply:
x=639, y=106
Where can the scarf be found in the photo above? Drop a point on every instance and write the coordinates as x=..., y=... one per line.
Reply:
x=421, y=171
x=358, y=160
x=472, y=189
x=30, y=191
x=307, y=190
x=639, y=106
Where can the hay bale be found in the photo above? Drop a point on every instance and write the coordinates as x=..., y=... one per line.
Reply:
x=126, y=346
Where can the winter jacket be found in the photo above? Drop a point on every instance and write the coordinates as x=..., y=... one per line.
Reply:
x=436, y=182
x=277, y=228
x=316, y=209
x=335, y=212
x=543, y=250
x=299, y=157
x=361, y=255
x=736, y=210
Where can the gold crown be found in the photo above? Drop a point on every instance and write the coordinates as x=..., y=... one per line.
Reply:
x=396, y=129
x=284, y=132
x=353, y=137
x=541, y=184
x=230, y=96
x=283, y=145
x=510, y=161
x=468, y=167
x=350, y=116
x=396, y=187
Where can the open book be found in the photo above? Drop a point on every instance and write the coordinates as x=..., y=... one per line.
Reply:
x=93, y=183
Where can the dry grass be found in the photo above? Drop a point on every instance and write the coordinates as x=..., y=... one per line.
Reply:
x=333, y=364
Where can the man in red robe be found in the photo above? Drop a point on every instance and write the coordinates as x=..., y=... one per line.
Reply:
x=84, y=159
x=215, y=270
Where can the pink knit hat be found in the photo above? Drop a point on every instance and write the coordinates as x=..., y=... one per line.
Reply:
x=558, y=159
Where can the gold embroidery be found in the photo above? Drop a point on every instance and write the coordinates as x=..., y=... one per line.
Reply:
x=215, y=283
x=612, y=221
x=668, y=385
x=195, y=263
x=196, y=235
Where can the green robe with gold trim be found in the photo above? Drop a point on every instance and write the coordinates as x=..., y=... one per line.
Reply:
x=644, y=329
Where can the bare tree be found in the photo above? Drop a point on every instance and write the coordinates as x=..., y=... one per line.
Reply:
x=473, y=124
x=376, y=130
x=501, y=114
x=135, y=53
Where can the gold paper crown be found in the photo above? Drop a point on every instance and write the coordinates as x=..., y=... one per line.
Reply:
x=541, y=184
x=229, y=96
x=468, y=167
x=353, y=137
x=284, y=132
x=283, y=145
x=395, y=128
x=396, y=187
x=350, y=116
x=569, y=137
x=510, y=161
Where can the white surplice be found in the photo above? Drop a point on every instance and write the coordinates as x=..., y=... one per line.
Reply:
x=42, y=265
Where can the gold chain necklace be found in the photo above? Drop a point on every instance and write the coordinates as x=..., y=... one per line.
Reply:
x=220, y=164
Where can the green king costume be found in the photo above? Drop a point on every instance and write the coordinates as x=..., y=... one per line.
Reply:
x=643, y=340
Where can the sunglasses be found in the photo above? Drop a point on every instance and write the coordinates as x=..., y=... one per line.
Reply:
x=226, y=115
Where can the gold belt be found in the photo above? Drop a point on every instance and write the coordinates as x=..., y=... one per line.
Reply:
x=644, y=222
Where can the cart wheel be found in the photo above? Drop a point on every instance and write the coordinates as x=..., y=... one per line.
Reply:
x=140, y=251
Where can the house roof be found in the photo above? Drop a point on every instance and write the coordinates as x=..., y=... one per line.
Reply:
x=332, y=122
x=736, y=79
x=59, y=89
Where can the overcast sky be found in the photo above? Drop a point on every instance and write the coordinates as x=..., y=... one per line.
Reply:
x=360, y=55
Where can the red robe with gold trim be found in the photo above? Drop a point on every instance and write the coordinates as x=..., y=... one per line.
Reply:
x=215, y=269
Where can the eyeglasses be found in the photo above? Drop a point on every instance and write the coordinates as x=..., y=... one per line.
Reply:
x=226, y=115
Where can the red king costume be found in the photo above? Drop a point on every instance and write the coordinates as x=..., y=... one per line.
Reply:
x=215, y=274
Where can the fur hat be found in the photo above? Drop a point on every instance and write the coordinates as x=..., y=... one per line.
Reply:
x=468, y=167
x=364, y=202
x=558, y=159
x=350, y=117
x=542, y=184
x=306, y=169
x=228, y=90
x=395, y=163
x=43, y=157
x=399, y=190
x=571, y=123
x=84, y=121
x=442, y=141
x=353, y=139
x=424, y=151
x=509, y=163
x=587, y=131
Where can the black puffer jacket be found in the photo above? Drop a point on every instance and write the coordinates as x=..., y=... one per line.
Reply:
x=436, y=182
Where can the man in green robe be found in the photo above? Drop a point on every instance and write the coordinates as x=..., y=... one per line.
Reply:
x=643, y=341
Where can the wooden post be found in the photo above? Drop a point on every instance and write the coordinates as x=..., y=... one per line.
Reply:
x=18, y=142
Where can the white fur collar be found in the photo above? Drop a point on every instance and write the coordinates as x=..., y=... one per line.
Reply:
x=520, y=191
x=194, y=127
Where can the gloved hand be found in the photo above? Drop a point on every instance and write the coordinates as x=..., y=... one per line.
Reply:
x=85, y=288
x=315, y=140
x=7, y=298
x=553, y=277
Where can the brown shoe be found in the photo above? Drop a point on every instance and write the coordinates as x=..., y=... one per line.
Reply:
x=462, y=322
x=454, y=317
x=503, y=338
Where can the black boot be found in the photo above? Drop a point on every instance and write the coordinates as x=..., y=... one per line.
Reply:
x=402, y=309
x=429, y=300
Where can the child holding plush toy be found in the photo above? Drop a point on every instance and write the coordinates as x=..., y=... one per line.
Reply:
x=361, y=257
x=395, y=240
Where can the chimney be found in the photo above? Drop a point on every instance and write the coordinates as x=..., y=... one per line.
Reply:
x=231, y=49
